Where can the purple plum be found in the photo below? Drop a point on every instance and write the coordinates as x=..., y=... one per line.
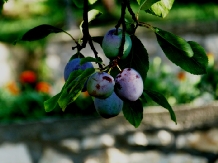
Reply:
x=75, y=65
x=128, y=84
x=109, y=107
x=111, y=44
x=100, y=85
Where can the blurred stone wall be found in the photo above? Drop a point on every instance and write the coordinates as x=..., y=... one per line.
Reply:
x=96, y=140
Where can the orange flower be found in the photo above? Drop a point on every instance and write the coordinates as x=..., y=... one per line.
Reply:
x=181, y=76
x=43, y=87
x=28, y=77
x=13, y=88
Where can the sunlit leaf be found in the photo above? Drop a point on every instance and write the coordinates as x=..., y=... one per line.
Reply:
x=92, y=14
x=147, y=4
x=161, y=100
x=91, y=2
x=160, y=8
x=133, y=112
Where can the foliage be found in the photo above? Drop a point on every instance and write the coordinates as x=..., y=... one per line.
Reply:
x=209, y=81
x=24, y=100
x=188, y=55
x=177, y=86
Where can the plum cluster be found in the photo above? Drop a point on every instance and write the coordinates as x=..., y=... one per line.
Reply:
x=109, y=93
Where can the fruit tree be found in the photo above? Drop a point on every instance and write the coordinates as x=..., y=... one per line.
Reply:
x=119, y=86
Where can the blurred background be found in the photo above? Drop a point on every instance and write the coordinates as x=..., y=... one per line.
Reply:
x=32, y=72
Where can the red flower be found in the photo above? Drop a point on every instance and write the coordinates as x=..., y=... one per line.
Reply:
x=43, y=87
x=28, y=77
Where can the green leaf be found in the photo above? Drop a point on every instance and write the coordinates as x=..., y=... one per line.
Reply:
x=137, y=59
x=197, y=64
x=161, y=100
x=93, y=14
x=73, y=86
x=51, y=103
x=139, y=1
x=91, y=2
x=39, y=32
x=133, y=112
x=175, y=41
x=147, y=4
x=90, y=59
x=98, y=39
x=161, y=8
x=200, y=58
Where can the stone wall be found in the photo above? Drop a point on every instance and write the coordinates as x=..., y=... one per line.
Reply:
x=96, y=140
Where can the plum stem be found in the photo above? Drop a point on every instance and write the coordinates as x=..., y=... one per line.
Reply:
x=119, y=68
x=109, y=70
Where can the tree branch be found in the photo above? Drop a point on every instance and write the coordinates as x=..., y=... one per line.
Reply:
x=86, y=35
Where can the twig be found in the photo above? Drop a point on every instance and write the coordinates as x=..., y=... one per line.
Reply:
x=86, y=35
x=122, y=21
x=85, y=25
x=94, y=50
x=132, y=13
x=142, y=24
x=122, y=17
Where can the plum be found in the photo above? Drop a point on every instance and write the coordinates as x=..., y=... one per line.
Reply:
x=111, y=44
x=109, y=107
x=100, y=85
x=74, y=65
x=128, y=84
